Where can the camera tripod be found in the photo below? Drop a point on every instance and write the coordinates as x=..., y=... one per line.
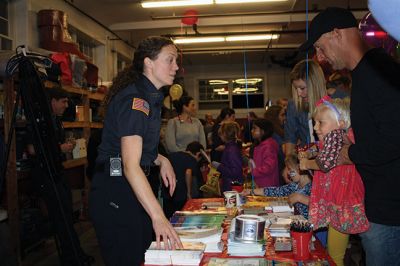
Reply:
x=38, y=112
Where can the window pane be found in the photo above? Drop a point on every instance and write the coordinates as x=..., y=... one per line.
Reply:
x=4, y=9
x=251, y=86
x=254, y=100
x=4, y=27
x=213, y=105
x=213, y=90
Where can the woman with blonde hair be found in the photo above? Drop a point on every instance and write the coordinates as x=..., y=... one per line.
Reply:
x=308, y=87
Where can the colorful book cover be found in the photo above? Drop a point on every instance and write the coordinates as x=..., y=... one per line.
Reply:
x=197, y=220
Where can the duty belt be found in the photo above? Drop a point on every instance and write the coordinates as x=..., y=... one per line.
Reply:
x=104, y=166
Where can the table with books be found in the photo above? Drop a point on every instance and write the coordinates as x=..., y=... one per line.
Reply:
x=207, y=232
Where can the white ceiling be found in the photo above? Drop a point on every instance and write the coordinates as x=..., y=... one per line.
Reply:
x=132, y=23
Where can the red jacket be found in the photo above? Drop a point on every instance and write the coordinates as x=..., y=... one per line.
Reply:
x=266, y=173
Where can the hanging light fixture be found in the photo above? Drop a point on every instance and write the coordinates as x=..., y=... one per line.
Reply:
x=155, y=4
x=259, y=37
x=199, y=40
x=251, y=37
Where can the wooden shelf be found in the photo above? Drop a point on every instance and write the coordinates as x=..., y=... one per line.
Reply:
x=77, y=124
x=96, y=125
x=74, y=163
x=79, y=91
x=75, y=90
x=18, y=124
x=96, y=96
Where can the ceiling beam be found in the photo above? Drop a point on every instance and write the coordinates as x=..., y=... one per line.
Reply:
x=223, y=21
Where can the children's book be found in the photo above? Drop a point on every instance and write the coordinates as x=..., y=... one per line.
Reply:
x=191, y=254
x=197, y=220
x=246, y=262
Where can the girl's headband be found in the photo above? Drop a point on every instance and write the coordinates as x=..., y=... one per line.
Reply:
x=326, y=101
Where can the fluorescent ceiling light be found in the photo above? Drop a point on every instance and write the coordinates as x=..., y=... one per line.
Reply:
x=217, y=82
x=239, y=90
x=245, y=1
x=223, y=92
x=152, y=4
x=199, y=40
x=251, y=37
x=219, y=90
x=227, y=39
x=248, y=81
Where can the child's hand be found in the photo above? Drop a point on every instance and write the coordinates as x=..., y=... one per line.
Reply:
x=302, y=154
x=285, y=175
x=256, y=192
x=293, y=198
x=215, y=164
x=303, y=164
x=246, y=192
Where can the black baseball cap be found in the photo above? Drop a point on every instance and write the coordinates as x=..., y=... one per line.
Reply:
x=326, y=21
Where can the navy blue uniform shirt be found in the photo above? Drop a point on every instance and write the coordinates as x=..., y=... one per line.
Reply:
x=136, y=110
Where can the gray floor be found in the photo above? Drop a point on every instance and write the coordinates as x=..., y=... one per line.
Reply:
x=46, y=255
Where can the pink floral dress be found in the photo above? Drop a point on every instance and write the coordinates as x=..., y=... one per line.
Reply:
x=337, y=196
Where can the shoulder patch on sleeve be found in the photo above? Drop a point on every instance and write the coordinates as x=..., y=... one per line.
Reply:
x=141, y=105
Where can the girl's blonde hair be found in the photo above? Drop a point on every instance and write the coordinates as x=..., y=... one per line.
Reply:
x=315, y=81
x=342, y=106
x=230, y=130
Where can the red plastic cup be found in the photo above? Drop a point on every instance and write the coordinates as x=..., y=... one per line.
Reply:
x=301, y=245
x=237, y=188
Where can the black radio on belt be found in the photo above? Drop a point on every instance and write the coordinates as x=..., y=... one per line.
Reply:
x=115, y=166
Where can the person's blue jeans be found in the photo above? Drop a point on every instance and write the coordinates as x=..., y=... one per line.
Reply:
x=382, y=245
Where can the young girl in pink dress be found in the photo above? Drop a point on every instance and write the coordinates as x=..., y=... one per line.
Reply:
x=337, y=194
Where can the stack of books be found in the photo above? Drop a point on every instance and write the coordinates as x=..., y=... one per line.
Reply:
x=279, y=206
x=209, y=235
x=238, y=248
x=243, y=248
x=279, y=230
x=191, y=254
x=239, y=262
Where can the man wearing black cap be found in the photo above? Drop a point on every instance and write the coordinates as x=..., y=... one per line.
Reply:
x=375, y=103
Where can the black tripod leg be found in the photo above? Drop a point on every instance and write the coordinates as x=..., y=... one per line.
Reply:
x=38, y=112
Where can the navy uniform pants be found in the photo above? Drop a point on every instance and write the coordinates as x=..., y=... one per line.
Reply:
x=123, y=228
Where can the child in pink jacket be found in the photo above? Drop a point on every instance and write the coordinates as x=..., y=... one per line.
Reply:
x=264, y=164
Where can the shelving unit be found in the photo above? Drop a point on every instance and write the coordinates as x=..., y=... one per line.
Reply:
x=74, y=169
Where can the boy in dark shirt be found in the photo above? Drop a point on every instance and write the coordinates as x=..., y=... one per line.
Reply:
x=188, y=178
